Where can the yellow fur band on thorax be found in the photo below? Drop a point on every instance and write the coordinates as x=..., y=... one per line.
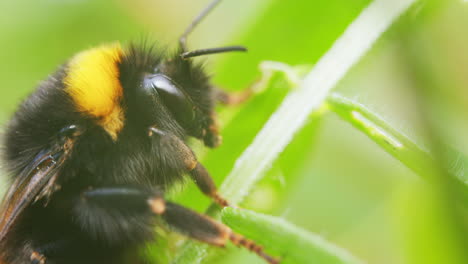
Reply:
x=93, y=83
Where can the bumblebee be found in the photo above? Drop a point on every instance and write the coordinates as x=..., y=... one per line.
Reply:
x=93, y=149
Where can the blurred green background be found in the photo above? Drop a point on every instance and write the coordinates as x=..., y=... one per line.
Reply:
x=331, y=180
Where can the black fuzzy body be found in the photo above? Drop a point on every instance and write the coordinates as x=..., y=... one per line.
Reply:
x=65, y=226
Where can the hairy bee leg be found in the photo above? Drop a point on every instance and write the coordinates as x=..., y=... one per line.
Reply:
x=124, y=199
x=131, y=201
x=196, y=170
x=205, y=183
x=117, y=216
x=46, y=252
x=211, y=137
x=205, y=229
x=37, y=258
x=233, y=98
x=24, y=253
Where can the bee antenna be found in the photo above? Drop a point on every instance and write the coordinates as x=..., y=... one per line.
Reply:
x=195, y=22
x=200, y=52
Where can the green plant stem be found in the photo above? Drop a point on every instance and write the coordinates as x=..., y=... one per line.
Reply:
x=298, y=105
x=309, y=96
x=292, y=244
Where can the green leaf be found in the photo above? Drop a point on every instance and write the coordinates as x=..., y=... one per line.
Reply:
x=396, y=143
x=281, y=238
x=393, y=141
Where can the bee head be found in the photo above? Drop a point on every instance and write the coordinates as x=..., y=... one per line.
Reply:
x=122, y=89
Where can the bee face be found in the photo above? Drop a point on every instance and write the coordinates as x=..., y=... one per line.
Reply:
x=177, y=89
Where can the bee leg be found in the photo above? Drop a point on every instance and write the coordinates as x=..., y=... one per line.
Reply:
x=205, y=183
x=46, y=252
x=37, y=258
x=205, y=229
x=233, y=98
x=105, y=203
x=110, y=214
x=123, y=199
x=211, y=137
x=196, y=170
x=26, y=253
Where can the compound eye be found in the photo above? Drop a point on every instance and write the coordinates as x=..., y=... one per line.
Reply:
x=164, y=85
x=173, y=96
